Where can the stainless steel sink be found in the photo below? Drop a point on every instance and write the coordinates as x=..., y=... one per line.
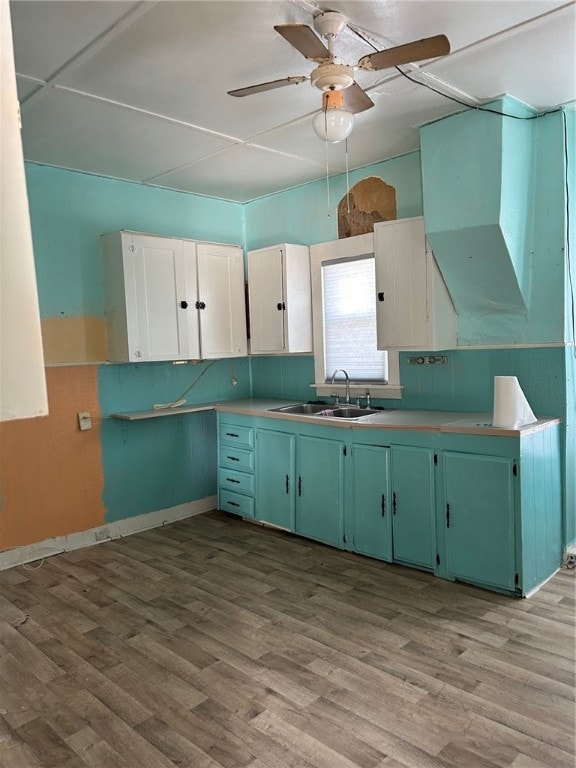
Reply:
x=307, y=409
x=351, y=412
x=337, y=412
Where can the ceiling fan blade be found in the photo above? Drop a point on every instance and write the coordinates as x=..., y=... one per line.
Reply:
x=267, y=86
x=304, y=40
x=428, y=48
x=356, y=99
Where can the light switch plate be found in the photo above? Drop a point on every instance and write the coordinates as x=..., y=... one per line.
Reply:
x=84, y=420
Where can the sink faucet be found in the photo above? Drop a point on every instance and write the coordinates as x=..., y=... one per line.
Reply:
x=341, y=370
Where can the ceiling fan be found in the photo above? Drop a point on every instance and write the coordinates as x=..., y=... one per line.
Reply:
x=341, y=91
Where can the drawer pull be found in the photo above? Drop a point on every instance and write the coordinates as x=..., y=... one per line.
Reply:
x=233, y=504
x=231, y=480
x=231, y=434
x=233, y=458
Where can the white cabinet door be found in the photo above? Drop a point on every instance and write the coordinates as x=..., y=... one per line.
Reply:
x=280, y=299
x=266, y=300
x=413, y=308
x=221, y=301
x=150, y=290
x=160, y=299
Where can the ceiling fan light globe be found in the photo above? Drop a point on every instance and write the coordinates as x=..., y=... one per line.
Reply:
x=333, y=125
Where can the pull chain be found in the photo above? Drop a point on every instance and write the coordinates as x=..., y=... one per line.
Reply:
x=327, y=177
x=347, y=180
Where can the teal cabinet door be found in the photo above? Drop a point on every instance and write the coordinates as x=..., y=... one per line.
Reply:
x=479, y=518
x=372, y=511
x=320, y=491
x=275, y=477
x=413, y=505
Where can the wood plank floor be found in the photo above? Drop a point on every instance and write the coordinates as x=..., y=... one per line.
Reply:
x=213, y=643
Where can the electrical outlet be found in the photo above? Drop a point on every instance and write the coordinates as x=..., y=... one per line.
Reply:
x=428, y=360
x=84, y=420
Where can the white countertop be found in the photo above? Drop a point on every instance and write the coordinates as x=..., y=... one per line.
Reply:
x=398, y=419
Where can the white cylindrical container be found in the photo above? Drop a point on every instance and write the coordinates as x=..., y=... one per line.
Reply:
x=511, y=409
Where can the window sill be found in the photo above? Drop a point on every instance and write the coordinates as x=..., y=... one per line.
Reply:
x=383, y=391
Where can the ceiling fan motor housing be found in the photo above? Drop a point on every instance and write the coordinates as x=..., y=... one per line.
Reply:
x=332, y=77
x=330, y=24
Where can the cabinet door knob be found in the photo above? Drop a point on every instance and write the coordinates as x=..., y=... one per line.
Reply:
x=380, y=295
x=200, y=305
x=280, y=306
x=184, y=304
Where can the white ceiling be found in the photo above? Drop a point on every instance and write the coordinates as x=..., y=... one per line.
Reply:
x=138, y=90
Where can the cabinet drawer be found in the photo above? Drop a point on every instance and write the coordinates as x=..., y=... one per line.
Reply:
x=236, y=458
x=236, y=481
x=235, y=435
x=236, y=503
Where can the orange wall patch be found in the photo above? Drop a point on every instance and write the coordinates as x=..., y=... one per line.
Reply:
x=51, y=472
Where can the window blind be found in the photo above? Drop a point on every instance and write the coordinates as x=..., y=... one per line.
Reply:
x=349, y=305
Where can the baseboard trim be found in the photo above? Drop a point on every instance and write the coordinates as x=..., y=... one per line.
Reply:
x=116, y=530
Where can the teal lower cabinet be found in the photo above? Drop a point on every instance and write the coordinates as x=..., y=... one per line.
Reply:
x=276, y=477
x=480, y=508
x=500, y=511
x=320, y=489
x=372, y=501
x=413, y=505
x=479, y=519
x=298, y=477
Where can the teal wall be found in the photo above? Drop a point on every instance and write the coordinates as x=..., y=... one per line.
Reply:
x=570, y=333
x=302, y=215
x=158, y=464
x=163, y=462
x=467, y=381
x=494, y=204
x=287, y=377
x=70, y=211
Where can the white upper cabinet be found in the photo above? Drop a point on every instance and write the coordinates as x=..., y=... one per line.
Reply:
x=413, y=307
x=171, y=299
x=280, y=300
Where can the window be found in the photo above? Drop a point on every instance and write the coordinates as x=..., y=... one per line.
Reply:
x=344, y=315
x=349, y=318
